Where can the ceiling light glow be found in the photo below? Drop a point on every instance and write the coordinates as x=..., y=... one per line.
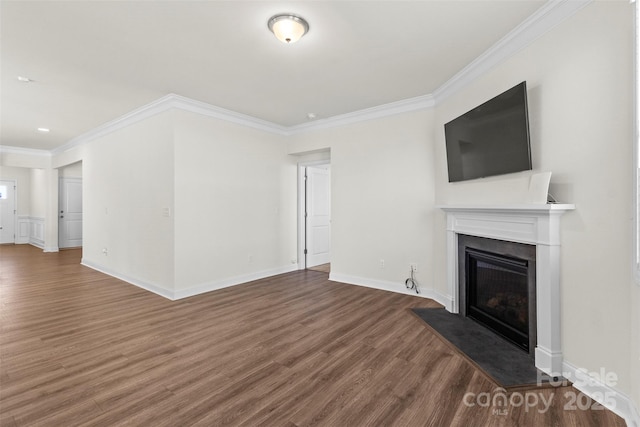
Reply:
x=44, y=130
x=288, y=28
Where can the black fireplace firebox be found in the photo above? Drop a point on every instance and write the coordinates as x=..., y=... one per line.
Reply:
x=497, y=287
x=497, y=294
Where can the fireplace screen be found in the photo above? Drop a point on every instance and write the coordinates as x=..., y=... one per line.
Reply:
x=497, y=294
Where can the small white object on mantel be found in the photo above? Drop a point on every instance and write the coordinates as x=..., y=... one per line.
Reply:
x=539, y=187
x=535, y=224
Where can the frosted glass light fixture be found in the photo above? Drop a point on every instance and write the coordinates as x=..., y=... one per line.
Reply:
x=288, y=28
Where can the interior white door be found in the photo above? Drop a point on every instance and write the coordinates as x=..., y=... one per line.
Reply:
x=7, y=212
x=318, y=215
x=70, y=213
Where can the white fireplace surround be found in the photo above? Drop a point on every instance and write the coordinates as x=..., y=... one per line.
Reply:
x=537, y=225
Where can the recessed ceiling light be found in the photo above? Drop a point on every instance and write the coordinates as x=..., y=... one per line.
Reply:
x=44, y=130
x=24, y=79
x=311, y=116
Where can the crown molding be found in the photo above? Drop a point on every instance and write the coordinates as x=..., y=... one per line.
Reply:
x=540, y=22
x=543, y=20
x=198, y=107
x=404, y=106
x=168, y=102
x=6, y=149
x=149, y=110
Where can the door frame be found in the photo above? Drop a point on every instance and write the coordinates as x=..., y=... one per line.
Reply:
x=15, y=206
x=61, y=181
x=302, y=223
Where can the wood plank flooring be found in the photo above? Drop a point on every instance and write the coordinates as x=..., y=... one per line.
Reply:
x=79, y=348
x=324, y=268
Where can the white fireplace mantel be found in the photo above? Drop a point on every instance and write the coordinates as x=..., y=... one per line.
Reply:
x=537, y=225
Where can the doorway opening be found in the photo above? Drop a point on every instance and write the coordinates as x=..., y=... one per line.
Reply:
x=315, y=216
x=70, y=210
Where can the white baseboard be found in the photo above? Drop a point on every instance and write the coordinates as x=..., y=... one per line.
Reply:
x=36, y=243
x=398, y=287
x=194, y=290
x=605, y=394
x=633, y=419
x=447, y=301
x=548, y=361
x=163, y=292
x=231, y=281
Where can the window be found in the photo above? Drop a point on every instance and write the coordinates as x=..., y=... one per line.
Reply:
x=3, y=191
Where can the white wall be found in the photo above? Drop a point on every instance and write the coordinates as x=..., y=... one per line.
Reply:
x=127, y=185
x=235, y=198
x=39, y=193
x=30, y=169
x=184, y=203
x=42, y=220
x=382, y=198
x=73, y=170
x=580, y=84
x=27, y=159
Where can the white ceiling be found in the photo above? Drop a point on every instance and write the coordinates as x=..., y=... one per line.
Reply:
x=93, y=61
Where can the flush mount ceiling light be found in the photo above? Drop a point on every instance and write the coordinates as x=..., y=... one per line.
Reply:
x=44, y=130
x=288, y=28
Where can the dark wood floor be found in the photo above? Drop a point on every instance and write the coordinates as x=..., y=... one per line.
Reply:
x=81, y=348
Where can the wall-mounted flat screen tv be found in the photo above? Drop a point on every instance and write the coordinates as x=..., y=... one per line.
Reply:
x=492, y=139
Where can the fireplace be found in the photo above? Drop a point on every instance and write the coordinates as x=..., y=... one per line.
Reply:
x=533, y=225
x=497, y=287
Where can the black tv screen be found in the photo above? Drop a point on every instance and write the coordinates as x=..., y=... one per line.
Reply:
x=492, y=139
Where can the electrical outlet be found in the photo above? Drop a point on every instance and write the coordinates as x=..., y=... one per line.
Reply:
x=413, y=266
x=250, y=258
x=104, y=251
x=382, y=264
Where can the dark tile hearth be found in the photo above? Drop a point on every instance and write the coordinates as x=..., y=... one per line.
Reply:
x=506, y=364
